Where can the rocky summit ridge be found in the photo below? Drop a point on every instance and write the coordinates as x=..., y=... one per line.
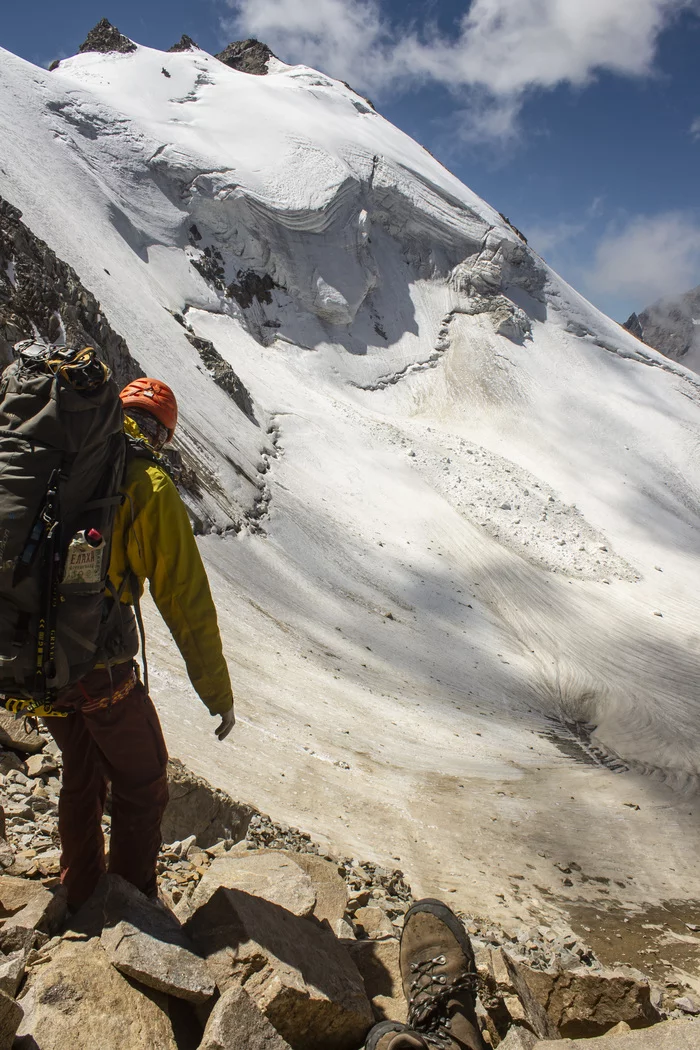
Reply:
x=247, y=56
x=262, y=940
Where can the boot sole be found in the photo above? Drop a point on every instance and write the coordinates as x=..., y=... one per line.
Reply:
x=382, y=1029
x=441, y=911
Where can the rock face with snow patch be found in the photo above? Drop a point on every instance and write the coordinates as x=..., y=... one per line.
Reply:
x=671, y=326
x=40, y=294
x=247, y=56
x=185, y=43
x=105, y=38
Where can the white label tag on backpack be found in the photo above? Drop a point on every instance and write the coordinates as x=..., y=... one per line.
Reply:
x=83, y=561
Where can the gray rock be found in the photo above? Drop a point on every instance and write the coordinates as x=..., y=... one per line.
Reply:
x=185, y=43
x=168, y=965
x=272, y=875
x=581, y=1003
x=247, y=56
x=294, y=969
x=518, y=1038
x=75, y=1000
x=7, y=854
x=30, y=906
x=12, y=969
x=10, y=761
x=144, y=941
x=41, y=765
x=47, y=297
x=378, y=964
x=327, y=884
x=501, y=977
x=237, y=1024
x=196, y=808
x=106, y=38
x=12, y=730
x=10, y=1018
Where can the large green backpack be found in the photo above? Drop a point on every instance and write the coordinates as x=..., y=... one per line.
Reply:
x=62, y=457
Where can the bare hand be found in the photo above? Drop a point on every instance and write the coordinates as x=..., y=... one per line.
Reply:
x=228, y=721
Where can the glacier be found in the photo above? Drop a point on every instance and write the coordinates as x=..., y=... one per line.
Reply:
x=454, y=540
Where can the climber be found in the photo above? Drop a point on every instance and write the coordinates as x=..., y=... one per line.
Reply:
x=112, y=733
x=438, y=974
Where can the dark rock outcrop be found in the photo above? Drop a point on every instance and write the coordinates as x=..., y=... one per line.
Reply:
x=671, y=325
x=222, y=374
x=251, y=286
x=105, y=37
x=185, y=43
x=40, y=293
x=247, y=56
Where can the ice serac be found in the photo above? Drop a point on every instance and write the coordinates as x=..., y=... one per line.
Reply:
x=465, y=577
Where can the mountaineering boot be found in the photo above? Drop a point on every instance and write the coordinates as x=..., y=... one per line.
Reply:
x=392, y=1035
x=439, y=978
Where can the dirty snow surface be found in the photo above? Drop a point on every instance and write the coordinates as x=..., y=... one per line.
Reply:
x=453, y=538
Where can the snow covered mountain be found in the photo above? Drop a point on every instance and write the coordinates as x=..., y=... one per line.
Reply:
x=452, y=509
x=671, y=326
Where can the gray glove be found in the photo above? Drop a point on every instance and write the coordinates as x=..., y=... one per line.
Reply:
x=228, y=721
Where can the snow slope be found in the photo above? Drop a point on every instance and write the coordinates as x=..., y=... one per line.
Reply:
x=481, y=496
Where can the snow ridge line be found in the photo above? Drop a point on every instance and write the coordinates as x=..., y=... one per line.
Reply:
x=636, y=355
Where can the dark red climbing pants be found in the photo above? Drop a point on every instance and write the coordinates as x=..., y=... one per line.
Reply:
x=120, y=743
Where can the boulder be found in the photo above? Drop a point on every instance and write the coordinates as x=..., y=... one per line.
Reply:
x=196, y=808
x=236, y=1023
x=378, y=964
x=586, y=1003
x=29, y=906
x=9, y=761
x=13, y=734
x=503, y=980
x=76, y=1000
x=328, y=885
x=12, y=969
x=374, y=923
x=41, y=765
x=7, y=854
x=294, y=969
x=668, y=1035
x=10, y=1018
x=272, y=875
x=144, y=941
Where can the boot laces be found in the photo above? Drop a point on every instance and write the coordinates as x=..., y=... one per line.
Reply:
x=431, y=993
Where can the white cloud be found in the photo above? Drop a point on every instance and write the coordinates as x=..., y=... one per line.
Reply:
x=648, y=258
x=502, y=47
x=548, y=237
x=695, y=128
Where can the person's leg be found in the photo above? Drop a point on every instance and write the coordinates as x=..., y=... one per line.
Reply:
x=80, y=806
x=130, y=740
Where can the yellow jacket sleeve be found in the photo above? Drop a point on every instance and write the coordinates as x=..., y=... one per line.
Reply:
x=162, y=548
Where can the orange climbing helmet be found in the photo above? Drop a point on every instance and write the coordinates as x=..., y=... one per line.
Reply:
x=155, y=397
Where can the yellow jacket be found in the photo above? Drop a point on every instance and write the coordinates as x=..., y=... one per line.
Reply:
x=153, y=539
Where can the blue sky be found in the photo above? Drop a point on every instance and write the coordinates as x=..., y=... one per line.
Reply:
x=579, y=119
